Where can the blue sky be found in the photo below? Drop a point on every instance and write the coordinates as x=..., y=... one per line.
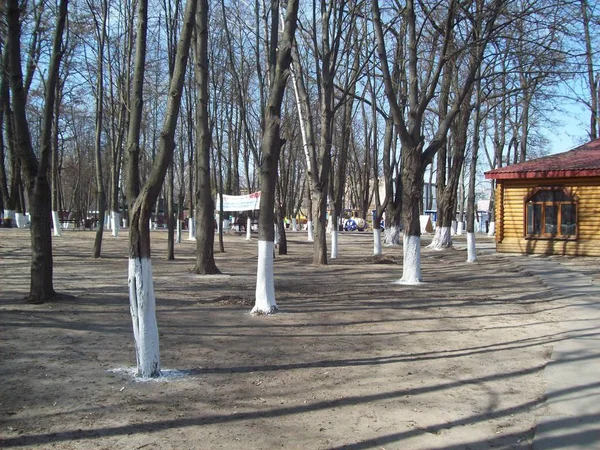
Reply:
x=571, y=128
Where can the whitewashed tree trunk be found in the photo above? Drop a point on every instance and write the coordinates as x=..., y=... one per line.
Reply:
x=392, y=235
x=55, y=223
x=276, y=231
x=460, y=228
x=115, y=219
x=124, y=222
x=178, y=238
x=191, y=229
x=411, y=266
x=219, y=224
x=309, y=228
x=492, y=229
x=19, y=222
x=143, y=316
x=265, y=282
x=334, y=243
x=441, y=239
x=248, y=229
x=471, y=252
x=376, y=241
x=454, y=226
x=294, y=224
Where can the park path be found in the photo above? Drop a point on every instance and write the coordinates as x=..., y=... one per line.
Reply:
x=571, y=419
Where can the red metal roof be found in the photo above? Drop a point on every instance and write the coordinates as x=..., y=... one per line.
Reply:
x=582, y=161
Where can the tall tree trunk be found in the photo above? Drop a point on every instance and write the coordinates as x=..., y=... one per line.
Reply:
x=271, y=146
x=471, y=205
x=589, y=59
x=171, y=212
x=205, y=206
x=38, y=187
x=281, y=213
x=101, y=32
x=220, y=184
x=55, y=168
x=4, y=118
x=141, y=288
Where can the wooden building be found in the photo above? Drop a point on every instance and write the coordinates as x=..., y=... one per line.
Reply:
x=550, y=205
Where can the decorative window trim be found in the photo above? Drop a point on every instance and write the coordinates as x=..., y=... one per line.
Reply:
x=529, y=200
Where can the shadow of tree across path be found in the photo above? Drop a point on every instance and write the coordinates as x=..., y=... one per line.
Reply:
x=156, y=426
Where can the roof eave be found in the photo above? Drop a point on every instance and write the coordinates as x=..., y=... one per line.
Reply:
x=542, y=174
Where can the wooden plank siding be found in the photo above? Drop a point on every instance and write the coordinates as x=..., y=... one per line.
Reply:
x=510, y=217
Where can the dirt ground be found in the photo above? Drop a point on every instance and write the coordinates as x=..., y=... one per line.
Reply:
x=352, y=360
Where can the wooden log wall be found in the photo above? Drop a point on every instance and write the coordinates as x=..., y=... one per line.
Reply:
x=510, y=220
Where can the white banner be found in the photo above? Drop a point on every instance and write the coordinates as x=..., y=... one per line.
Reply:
x=248, y=202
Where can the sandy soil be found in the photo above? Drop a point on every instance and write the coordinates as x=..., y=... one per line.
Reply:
x=352, y=361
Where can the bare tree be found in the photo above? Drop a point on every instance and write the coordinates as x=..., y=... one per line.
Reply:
x=205, y=206
x=280, y=58
x=441, y=22
x=100, y=29
x=141, y=288
x=35, y=170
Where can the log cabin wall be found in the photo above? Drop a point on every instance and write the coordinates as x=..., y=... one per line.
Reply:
x=510, y=217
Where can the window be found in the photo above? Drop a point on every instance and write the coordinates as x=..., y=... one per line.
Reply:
x=551, y=213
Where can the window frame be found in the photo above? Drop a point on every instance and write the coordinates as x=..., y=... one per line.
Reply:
x=543, y=204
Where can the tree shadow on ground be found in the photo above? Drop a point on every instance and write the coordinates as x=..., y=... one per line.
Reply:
x=160, y=425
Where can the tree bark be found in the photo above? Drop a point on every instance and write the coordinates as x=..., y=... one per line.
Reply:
x=592, y=86
x=38, y=187
x=55, y=163
x=205, y=206
x=141, y=289
x=271, y=146
x=471, y=205
x=101, y=199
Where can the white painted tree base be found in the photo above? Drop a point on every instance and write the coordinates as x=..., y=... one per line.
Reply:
x=460, y=228
x=442, y=239
x=276, y=234
x=471, y=252
x=248, y=229
x=55, y=223
x=115, y=223
x=334, y=244
x=191, y=229
x=294, y=224
x=492, y=229
x=392, y=235
x=19, y=222
x=411, y=266
x=178, y=237
x=309, y=228
x=376, y=241
x=264, y=302
x=142, y=305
